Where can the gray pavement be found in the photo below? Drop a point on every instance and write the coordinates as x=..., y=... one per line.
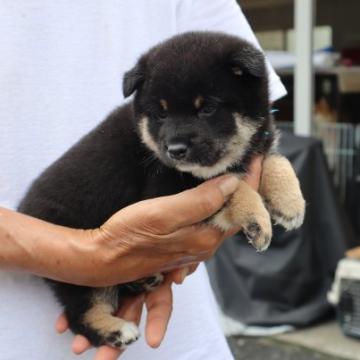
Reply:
x=269, y=349
x=326, y=338
x=322, y=342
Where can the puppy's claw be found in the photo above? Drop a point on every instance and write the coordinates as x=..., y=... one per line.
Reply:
x=257, y=236
x=128, y=334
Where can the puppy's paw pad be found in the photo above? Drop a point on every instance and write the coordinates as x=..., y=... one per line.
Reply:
x=152, y=282
x=128, y=334
x=258, y=236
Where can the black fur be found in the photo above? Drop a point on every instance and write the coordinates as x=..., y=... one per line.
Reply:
x=111, y=168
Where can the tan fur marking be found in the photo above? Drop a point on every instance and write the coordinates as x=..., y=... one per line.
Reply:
x=198, y=102
x=146, y=137
x=237, y=71
x=245, y=209
x=281, y=191
x=164, y=104
x=235, y=150
x=100, y=318
x=115, y=331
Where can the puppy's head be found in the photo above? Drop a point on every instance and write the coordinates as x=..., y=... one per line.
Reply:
x=200, y=98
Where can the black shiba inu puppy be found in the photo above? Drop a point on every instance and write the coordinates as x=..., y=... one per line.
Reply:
x=201, y=109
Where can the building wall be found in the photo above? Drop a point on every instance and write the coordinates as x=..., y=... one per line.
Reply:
x=341, y=15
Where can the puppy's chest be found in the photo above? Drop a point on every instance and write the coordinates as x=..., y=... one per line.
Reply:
x=162, y=181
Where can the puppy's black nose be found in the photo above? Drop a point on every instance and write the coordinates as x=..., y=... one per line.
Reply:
x=177, y=151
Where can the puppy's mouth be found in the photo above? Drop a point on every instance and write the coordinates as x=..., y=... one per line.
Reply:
x=209, y=158
x=222, y=160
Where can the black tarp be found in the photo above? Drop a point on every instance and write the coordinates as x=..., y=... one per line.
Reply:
x=288, y=283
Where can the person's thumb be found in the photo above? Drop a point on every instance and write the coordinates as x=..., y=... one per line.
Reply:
x=192, y=206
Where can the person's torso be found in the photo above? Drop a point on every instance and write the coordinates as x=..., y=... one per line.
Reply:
x=60, y=74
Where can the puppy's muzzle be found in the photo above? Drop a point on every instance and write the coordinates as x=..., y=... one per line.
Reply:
x=177, y=151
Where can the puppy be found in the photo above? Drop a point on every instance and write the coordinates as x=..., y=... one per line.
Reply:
x=201, y=109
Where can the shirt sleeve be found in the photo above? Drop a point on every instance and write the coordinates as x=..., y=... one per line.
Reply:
x=225, y=16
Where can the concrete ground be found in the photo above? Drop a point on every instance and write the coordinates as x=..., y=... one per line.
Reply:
x=322, y=342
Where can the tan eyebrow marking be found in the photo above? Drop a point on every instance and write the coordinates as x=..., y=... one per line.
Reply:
x=237, y=70
x=198, y=101
x=164, y=104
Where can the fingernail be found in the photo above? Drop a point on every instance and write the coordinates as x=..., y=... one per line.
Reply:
x=183, y=274
x=228, y=185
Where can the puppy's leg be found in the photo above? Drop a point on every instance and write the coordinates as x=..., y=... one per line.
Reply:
x=96, y=320
x=281, y=192
x=246, y=209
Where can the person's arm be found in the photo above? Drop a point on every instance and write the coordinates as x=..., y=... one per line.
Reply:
x=33, y=245
x=141, y=239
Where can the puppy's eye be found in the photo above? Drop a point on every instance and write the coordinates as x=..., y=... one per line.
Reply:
x=208, y=110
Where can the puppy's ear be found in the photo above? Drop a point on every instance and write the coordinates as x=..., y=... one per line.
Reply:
x=133, y=79
x=248, y=60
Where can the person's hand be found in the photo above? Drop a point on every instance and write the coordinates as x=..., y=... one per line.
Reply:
x=151, y=236
x=165, y=231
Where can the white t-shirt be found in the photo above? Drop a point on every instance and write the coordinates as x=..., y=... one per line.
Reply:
x=61, y=68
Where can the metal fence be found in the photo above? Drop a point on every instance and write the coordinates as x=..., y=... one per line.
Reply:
x=341, y=143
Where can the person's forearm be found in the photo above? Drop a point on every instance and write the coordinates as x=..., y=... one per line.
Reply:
x=33, y=245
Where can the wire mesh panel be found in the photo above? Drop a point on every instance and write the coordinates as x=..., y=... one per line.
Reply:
x=341, y=143
x=339, y=147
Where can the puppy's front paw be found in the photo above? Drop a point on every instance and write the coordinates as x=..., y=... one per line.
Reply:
x=246, y=210
x=127, y=334
x=281, y=191
x=102, y=327
x=289, y=215
x=146, y=284
x=259, y=233
x=152, y=282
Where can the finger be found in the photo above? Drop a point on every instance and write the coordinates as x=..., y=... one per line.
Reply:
x=253, y=175
x=107, y=353
x=61, y=324
x=159, y=307
x=178, y=276
x=195, y=239
x=131, y=308
x=231, y=232
x=80, y=344
x=192, y=244
x=193, y=268
x=188, y=245
x=194, y=205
